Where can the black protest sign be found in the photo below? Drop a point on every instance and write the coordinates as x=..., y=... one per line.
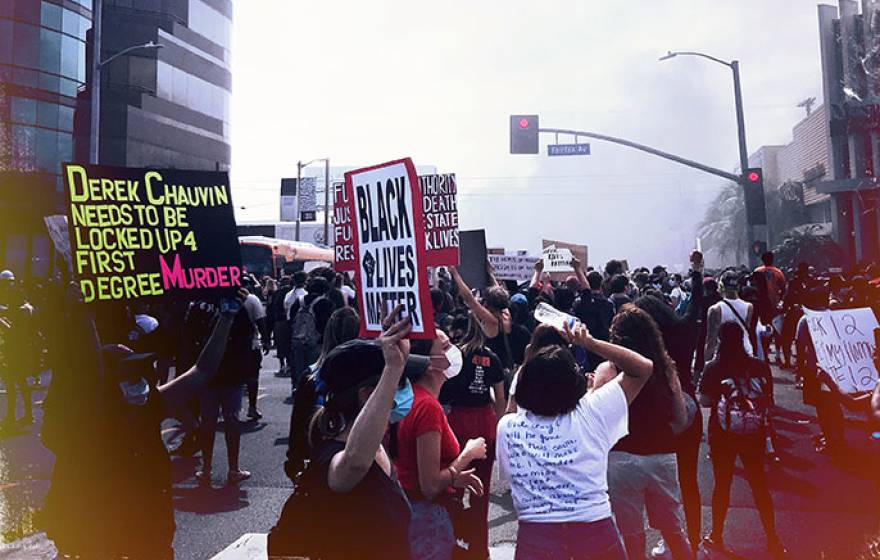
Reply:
x=138, y=233
x=473, y=258
x=389, y=242
x=440, y=205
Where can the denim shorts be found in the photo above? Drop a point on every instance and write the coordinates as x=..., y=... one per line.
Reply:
x=639, y=483
x=598, y=540
x=430, y=532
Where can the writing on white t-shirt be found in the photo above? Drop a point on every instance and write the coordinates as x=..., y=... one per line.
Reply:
x=557, y=466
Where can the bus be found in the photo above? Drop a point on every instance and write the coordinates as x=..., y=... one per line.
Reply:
x=270, y=256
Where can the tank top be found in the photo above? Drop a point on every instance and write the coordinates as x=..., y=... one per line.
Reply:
x=727, y=316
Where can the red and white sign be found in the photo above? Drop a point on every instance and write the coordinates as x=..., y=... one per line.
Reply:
x=380, y=209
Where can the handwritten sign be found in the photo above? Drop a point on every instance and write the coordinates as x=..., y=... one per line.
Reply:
x=557, y=258
x=440, y=208
x=387, y=227
x=844, y=342
x=518, y=268
x=59, y=233
x=137, y=233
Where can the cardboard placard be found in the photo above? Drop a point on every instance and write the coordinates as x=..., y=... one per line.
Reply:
x=59, y=233
x=495, y=251
x=138, y=233
x=473, y=259
x=440, y=207
x=518, y=268
x=844, y=342
x=439, y=204
x=557, y=258
x=387, y=227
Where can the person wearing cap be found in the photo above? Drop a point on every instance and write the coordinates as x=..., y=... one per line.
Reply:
x=433, y=467
x=111, y=490
x=554, y=450
x=347, y=502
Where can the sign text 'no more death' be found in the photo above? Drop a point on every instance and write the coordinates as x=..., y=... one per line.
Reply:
x=146, y=232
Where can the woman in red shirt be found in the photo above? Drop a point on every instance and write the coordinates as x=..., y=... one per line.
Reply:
x=430, y=462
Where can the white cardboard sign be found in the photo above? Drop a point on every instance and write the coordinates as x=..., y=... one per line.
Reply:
x=519, y=268
x=844, y=342
x=557, y=259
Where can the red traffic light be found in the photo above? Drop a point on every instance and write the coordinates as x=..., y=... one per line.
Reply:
x=524, y=123
x=753, y=177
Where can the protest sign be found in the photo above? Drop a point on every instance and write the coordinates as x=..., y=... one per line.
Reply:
x=557, y=258
x=146, y=232
x=288, y=200
x=844, y=342
x=60, y=235
x=343, y=233
x=518, y=268
x=387, y=227
x=495, y=251
x=308, y=203
x=440, y=206
x=473, y=258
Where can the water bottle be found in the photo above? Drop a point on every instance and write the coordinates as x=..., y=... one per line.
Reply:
x=549, y=315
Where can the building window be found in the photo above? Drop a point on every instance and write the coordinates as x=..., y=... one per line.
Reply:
x=25, y=44
x=50, y=51
x=24, y=111
x=16, y=253
x=47, y=114
x=50, y=15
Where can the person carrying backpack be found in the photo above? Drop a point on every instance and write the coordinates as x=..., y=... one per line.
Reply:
x=739, y=389
x=305, y=335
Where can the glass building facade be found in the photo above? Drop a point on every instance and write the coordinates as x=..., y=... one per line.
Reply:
x=42, y=72
x=166, y=107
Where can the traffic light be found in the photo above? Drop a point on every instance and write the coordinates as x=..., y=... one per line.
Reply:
x=753, y=192
x=523, y=134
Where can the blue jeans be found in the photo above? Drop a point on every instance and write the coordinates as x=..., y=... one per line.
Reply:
x=430, y=532
x=598, y=540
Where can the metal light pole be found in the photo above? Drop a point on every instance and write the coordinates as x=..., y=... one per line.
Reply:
x=97, y=65
x=756, y=232
x=299, y=167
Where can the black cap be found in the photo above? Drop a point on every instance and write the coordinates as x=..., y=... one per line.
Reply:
x=355, y=362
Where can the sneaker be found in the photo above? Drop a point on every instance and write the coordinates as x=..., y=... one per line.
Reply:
x=660, y=551
x=254, y=414
x=712, y=544
x=203, y=478
x=235, y=477
x=187, y=448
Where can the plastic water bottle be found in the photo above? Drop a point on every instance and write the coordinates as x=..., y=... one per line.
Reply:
x=549, y=315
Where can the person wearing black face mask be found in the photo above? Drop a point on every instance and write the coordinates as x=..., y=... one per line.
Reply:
x=110, y=495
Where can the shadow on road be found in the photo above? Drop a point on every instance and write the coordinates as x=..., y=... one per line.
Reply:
x=210, y=500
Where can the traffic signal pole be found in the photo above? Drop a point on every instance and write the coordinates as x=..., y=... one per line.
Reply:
x=647, y=149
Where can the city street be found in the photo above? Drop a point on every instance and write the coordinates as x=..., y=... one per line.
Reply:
x=824, y=508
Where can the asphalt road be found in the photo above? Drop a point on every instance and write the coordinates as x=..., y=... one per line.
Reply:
x=825, y=507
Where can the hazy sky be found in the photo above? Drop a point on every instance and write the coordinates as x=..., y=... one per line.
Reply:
x=365, y=82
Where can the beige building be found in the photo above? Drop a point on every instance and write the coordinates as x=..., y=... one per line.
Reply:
x=801, y=163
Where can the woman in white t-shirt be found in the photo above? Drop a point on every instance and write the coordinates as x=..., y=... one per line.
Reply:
x=554, y=450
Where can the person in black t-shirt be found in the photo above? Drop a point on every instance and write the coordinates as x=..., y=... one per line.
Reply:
x=348, y=502
x=596, y=313
x=476, y=396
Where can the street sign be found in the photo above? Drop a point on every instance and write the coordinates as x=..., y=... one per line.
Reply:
x=568, y=149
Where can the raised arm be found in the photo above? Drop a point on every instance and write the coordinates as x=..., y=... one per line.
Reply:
x=536, y=276
x=490, y=273
x=183, y=388
x=488, y=322
x=578, y=267
x=635, y=367
x=350, y=466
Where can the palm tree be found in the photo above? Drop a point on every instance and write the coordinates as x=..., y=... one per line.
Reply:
x=724, y=229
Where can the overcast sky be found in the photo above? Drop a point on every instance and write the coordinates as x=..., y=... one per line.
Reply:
x=365, y=82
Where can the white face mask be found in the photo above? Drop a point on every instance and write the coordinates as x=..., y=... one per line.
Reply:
x=135, y=393
x=456, y=360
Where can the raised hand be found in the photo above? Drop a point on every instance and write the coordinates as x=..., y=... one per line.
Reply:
x=579, y=335
x=395, y=346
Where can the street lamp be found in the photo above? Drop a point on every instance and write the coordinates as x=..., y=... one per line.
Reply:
x=740, y=124
x=299, y=167
x=97, y=65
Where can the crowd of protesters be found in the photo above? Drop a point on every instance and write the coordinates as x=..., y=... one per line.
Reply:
x=595, y=425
